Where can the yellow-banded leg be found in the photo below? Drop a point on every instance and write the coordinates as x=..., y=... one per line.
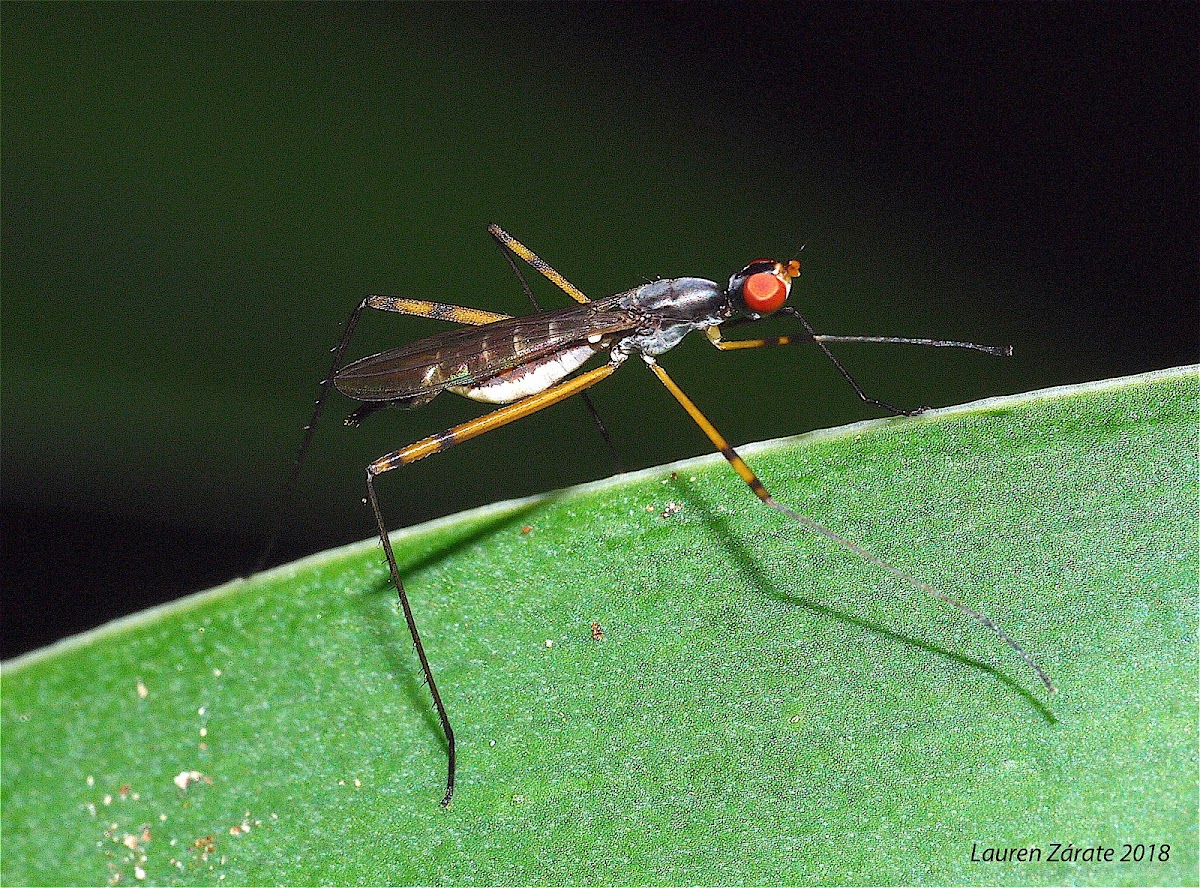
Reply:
x=715, y=337
x=510, y=246
x=752, y=480
x=439, y=311
x=436, y=444
x=539, y=264
x=423, y=308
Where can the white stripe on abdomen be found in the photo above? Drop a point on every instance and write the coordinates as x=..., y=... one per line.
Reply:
x=528, y=379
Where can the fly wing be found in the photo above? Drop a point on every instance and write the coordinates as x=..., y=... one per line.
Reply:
x=467, y=355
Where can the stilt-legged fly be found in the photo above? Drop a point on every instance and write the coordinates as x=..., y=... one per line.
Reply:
x=525, y=364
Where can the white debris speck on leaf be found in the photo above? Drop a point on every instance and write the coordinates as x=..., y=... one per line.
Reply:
x=142, y=690
x=202, y=710
x=549, y=642
x=357, y=782
x=204, y=732
x=217, y=673
x=139, y=873
x=107, y=799
x=184, y=778
x=91, y=781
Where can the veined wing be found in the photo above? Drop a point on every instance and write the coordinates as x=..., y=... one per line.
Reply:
x=469, y=354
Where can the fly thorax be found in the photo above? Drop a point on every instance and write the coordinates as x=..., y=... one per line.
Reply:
x=678, y=299
x=670, y=309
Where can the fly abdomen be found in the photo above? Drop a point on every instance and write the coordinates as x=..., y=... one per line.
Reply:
x=529, y=378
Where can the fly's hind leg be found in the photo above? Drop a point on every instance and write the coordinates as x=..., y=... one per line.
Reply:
x=437, y=444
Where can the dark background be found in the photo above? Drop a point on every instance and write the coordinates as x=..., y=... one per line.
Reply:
x=194, y=197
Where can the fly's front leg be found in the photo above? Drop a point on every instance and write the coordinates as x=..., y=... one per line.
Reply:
x=820, y=340
x=715, y=337
x=883, y=405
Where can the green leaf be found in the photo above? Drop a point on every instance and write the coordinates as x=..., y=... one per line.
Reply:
x=764, y=706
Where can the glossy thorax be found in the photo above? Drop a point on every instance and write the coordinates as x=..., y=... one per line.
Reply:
x=670, y=309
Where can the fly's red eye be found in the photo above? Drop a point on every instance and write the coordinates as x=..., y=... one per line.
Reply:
x=764, y=293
